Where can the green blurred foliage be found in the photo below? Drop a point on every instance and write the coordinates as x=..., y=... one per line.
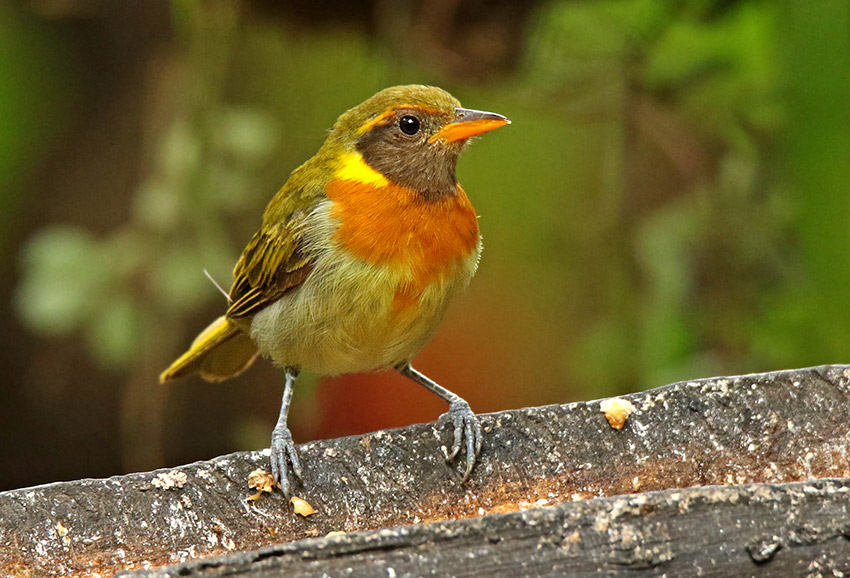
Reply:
x=670, y=202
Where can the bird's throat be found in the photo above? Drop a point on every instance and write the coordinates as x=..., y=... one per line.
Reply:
x=427, y=169
x=354, y=168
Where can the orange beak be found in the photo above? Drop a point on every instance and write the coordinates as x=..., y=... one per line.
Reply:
x=469, y=123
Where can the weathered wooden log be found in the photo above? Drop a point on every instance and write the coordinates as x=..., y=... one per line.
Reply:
x=771, y=428
x=770, y=531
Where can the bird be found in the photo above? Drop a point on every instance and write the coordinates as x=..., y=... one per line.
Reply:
x=356, y=260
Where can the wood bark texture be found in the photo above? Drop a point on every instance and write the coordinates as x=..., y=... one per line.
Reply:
x=556, y=490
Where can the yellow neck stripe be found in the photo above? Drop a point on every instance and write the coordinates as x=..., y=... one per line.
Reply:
x=353, y=168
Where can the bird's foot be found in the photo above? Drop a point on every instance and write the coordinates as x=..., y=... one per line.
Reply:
x=466, y=427
x=283, y=454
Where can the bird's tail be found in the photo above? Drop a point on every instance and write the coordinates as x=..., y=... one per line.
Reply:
x=221, y=351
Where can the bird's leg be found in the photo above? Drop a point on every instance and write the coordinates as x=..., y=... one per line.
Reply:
x=283, y=449
x=465, y=422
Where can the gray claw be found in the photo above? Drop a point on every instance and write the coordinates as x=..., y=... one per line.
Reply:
x=283, y=454
x=466, y=426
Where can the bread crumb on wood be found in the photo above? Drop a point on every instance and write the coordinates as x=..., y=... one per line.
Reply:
x=616, y=410
x=302, y=507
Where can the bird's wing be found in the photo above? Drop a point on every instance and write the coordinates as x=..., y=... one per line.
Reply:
x=271, y=265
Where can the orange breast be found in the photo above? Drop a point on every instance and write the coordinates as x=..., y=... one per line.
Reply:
x=394, y=225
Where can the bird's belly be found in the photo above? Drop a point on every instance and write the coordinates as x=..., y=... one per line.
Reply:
x=351, y=316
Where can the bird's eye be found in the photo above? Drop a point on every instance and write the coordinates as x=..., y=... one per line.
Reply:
x=409, y=125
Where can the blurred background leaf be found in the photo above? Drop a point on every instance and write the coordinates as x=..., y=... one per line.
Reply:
x=671, y=202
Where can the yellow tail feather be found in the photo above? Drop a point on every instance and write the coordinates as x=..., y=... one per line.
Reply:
x=220, y=352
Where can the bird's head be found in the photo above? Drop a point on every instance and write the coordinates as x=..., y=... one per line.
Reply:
x=412, y=135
